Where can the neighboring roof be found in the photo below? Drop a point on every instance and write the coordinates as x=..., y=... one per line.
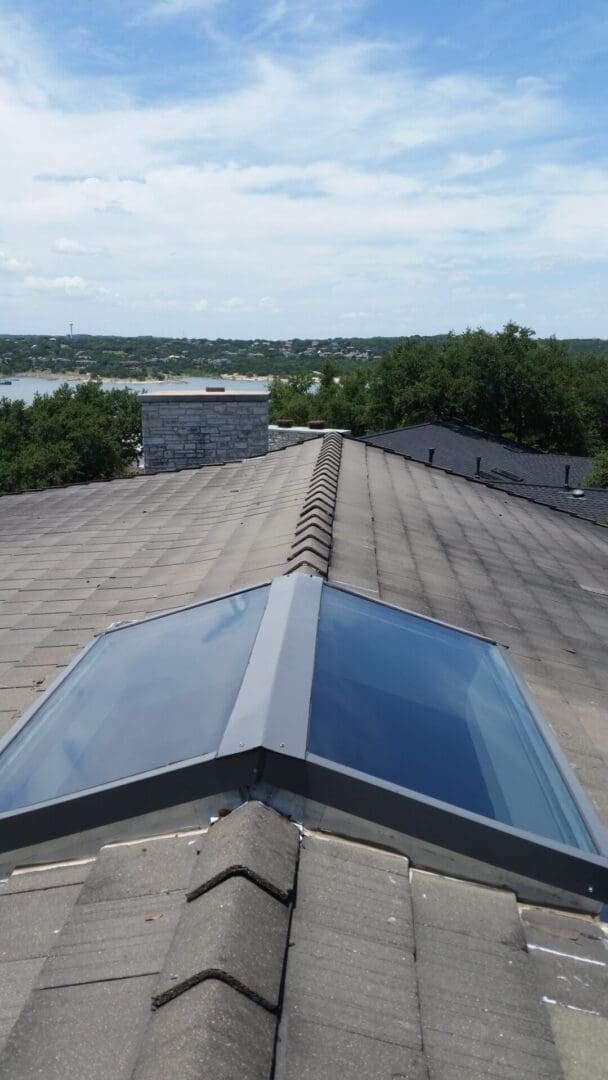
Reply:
x=363, y=966
x=508, y=465
x=249, y=951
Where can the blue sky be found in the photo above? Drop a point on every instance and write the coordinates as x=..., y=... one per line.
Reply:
x=292, y=167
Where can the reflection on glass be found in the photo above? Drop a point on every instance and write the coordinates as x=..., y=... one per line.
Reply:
x=437, y=711
x=144, y=696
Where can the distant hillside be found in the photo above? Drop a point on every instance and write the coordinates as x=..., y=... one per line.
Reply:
x=139, y=357
x=586, y=346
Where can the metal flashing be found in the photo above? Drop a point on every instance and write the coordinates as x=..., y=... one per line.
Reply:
x=272, y=706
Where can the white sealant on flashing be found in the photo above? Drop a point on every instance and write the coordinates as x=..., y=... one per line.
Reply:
x=573, y=1008
x=569, y=956
x=159, y=836
x=20, y=870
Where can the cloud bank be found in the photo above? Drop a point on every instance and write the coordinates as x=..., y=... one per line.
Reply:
x=336, y=189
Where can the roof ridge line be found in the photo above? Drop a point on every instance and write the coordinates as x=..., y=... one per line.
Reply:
x=308, y=552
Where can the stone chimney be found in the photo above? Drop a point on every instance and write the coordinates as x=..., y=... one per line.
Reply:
x=187, y=428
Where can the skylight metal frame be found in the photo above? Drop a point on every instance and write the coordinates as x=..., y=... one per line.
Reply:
x=265, y=742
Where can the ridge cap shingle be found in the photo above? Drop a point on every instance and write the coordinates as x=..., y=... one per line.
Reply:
x=310, y=553
x=233, y=933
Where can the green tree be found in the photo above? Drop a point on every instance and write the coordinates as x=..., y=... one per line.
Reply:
x=598, y=477
x=73, y=435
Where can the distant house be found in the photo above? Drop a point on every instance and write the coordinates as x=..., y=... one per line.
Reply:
x=556, y=480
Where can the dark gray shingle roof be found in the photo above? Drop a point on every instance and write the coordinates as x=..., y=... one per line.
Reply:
x=367, y=968
x=74, y=560
x=478, y=558
x=508, y=465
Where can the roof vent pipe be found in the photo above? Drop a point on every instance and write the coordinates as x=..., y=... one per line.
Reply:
x=478, y=467
x=567, y=477
x=431, y=454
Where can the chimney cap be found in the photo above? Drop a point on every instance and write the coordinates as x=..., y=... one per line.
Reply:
x=155, y=397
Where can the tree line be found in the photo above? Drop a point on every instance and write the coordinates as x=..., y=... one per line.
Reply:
x=72, y=436
x=509, y=384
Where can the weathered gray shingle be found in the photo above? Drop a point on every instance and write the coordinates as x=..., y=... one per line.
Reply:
x=78, y=1032
x=379, y=971
x=30, y=922
x=236, y=933
x=220, y=987
x=478, y=558
x=570, y=956
x=113, y=939
x=351, y=991
x=154, y=866
x=212, y=1031
x=253, y=842
x=480, y=1004
x=507, y=465
x=75, y=559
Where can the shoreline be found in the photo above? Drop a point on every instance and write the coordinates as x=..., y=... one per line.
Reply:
x=77, y=376
x=245, y=378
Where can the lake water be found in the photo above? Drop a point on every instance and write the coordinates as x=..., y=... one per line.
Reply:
x=24, y=387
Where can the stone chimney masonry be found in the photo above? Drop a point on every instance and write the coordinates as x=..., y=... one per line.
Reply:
x=187, y=428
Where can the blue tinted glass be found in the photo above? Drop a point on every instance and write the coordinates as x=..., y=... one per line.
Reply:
x=436, y=711
x=144, y=696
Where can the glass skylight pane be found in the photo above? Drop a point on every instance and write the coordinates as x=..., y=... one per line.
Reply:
x=436, y=711
x=143, y=697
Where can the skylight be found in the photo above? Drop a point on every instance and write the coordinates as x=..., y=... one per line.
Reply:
x=142, y=697
x=435, y=710
x=310, y=689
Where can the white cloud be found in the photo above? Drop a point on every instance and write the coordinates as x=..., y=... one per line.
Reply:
x=69, y=285
x=275, y=13
x=169, y=9
x=233, y=303
x=74, y=286
x=10, y=265
x=310, y=16
x=462, y=164
x=65, y=246
x=321, y=189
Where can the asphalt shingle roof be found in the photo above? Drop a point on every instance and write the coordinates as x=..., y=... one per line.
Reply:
x=74, y=560
x=508, y=465
x=255, y=949
x=476, y=557
x=364, y=968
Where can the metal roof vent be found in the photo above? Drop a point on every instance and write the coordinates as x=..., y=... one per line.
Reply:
x=578, y=493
